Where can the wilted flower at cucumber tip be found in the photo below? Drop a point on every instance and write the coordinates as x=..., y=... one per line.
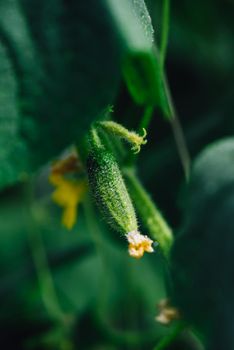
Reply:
x=138, y=244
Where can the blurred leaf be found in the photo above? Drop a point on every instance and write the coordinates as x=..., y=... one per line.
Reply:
x=202, y=258
x=17, y=268
x=78, y=284
x=60, y=69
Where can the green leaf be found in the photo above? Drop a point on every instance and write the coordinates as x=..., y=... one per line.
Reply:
x=132, y=22
x=202, y=257
x=59, y=70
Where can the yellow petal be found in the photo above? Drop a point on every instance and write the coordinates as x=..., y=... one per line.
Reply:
x=69, y=217
x=68, y=193
x=55, y=179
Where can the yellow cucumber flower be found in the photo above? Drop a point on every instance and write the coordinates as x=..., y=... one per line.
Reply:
x=69, y=192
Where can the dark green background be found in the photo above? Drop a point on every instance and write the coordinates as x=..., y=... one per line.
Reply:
x=51, y=88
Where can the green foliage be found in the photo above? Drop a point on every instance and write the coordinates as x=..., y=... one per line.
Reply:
x=84, y=279
x=54, y=66
x=203, y=284
x=133, y=24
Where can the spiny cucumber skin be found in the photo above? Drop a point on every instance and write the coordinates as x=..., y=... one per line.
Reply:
x=109, y=190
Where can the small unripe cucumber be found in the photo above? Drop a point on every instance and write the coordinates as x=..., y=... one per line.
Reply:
x=108, y=187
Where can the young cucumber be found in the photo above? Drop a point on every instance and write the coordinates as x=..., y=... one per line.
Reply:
x=108, y=188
